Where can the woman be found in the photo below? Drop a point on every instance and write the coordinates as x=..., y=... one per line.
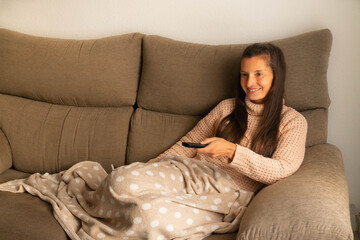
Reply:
x=184, y=193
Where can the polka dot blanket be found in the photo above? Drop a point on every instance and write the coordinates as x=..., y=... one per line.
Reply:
x=174, y=198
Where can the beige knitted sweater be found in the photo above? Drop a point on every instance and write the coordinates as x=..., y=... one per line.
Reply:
x=248, y=169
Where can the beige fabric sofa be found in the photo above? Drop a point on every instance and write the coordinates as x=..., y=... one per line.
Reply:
x=127, y=98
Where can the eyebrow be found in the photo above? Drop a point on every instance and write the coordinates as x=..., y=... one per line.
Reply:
x=260, y=70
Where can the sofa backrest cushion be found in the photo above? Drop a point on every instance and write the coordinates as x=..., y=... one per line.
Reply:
x=66, y=101
x=97, y=73
x=187, y=80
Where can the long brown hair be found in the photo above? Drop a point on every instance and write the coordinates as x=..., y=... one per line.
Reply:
x=233, y=126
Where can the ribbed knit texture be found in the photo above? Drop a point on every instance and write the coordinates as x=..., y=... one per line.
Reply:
x=248, y=169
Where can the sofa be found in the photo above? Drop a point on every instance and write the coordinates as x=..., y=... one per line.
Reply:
x=127, y=98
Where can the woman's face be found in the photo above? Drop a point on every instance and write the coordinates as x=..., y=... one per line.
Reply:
x=256, y=77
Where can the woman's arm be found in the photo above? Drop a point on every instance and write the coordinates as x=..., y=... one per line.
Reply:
x=205, y=128
x=286, y=159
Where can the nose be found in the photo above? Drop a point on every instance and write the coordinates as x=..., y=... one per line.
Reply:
x=251, y=81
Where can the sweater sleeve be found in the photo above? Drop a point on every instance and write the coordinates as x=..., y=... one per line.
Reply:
x=205, y=128
x=286, y=159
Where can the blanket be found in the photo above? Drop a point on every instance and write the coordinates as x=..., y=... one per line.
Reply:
x=174, y=198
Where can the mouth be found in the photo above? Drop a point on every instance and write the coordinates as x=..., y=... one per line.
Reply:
x=253, y=90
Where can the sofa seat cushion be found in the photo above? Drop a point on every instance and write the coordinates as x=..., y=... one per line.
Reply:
x=11, y=174
x=27, y=217
x=19, y=211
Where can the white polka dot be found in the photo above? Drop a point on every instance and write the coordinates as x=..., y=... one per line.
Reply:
x=186, y=162
x=124, y=196
x=146, y=206
x=213, y=207
x=236, y=194
x=117, y=214
x=196, y=211
x=96, y=168
x=236, y=204
x=230, y=204
x=120, y=178
x=181, y=179
x=137, y=220
x=208, y=218
x=135, y=173
x=150, y=173
x=134, y=186
x=170, y=228
x=129, y=232
x=217, y=201
x=200, y=228
x=194, y=165
x=103, y=198
x=227, y=189
x=172, y=177
x=175, y=190
x=154, y=224
x=177, y=215
x=187, y=173
x=157, y=185
x=214, y=227
x=161, y=237
x=203, y=197
x=189, y=221
x=118, y=225
x=89, y=175
x=99, y=178
x=101, y=211
x=101, y=235
x=108, y=214
x=77, y=181
x=155, y=164
x=217, y=175
x=162, y=174
x=163, y=210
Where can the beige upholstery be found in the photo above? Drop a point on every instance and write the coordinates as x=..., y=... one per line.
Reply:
x=187, y=79
x=5, y=153
x=71, y=92
x=295, y=207
x=128, y=98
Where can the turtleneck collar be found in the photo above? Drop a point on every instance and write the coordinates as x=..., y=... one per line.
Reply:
x=253, y=108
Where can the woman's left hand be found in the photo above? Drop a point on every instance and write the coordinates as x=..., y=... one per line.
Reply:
x=218, y=147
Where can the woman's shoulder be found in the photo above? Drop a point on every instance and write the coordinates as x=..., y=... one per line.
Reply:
x=226, y=105
x=290, y=116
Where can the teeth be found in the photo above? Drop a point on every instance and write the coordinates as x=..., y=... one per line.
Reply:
x=253, y=90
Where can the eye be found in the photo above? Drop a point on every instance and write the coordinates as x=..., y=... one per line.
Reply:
x=259, y=74
x=243, y=75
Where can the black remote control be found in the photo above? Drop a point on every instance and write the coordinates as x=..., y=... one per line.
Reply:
x=193, y=145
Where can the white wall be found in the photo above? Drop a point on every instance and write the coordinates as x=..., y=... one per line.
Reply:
x=221, y=22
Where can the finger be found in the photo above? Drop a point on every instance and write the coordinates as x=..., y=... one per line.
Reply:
x=209, y=140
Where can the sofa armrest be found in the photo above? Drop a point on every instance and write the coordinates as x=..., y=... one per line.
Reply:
x=5, y=153
x=311, y=204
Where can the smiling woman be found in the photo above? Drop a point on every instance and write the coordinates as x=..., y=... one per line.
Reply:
x=256, y=77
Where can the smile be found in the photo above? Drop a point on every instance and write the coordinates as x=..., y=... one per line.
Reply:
x=254, y=90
